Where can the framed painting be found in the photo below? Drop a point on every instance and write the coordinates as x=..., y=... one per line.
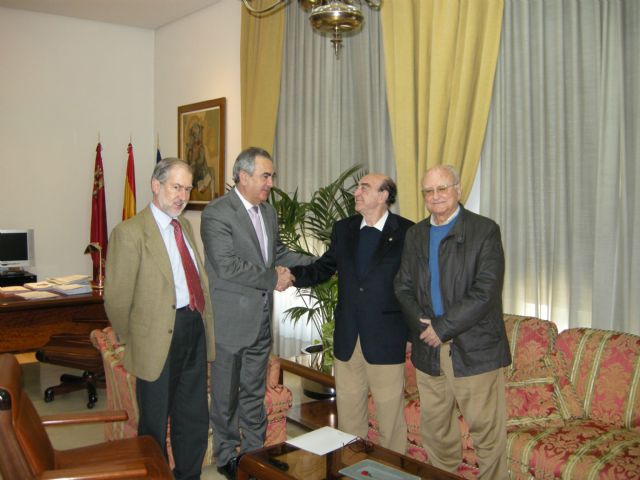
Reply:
x=201, y=134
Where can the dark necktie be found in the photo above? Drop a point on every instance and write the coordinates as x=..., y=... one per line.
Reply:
x=196, y=297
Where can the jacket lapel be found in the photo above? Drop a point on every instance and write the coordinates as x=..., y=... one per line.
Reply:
x=387, y=240
x=155, y=245
x=243, y=218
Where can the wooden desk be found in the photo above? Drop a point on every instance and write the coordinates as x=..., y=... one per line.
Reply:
x=26, y=325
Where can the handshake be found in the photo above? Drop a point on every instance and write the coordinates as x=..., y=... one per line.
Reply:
x=285, y=278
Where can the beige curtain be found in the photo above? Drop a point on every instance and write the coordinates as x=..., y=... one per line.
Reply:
x=261, y=40
x=440, y=59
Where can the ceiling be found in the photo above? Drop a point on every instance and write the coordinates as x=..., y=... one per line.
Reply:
x=136, y=13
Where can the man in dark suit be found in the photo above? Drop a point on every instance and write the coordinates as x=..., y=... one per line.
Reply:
x=161, y=310
x=245, y=261
x=370, y=334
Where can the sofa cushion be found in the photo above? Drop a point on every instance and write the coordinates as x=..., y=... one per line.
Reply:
x=578, y=449
x=604, y=366
x=530, y=340
x=542, y=399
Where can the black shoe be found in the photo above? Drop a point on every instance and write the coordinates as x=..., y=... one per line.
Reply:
x=229, y=469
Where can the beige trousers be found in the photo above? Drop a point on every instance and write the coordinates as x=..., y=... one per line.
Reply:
x=354, y=379
x=481, y=400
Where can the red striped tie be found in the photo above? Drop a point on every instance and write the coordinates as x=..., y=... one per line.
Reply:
x=196, y=297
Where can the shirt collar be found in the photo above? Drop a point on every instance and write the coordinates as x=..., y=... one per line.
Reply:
x=447, y=221
x=162, y=219
x=379, y=224
x=247, y=204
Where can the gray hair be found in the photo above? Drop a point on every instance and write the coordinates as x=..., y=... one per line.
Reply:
x=449, y=168
x=246, y=161
x=161, y=170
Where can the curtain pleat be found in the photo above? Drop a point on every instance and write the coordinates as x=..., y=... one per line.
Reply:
x=440, y=65
x=261, y=40
x=333, y=112
x=561, y=161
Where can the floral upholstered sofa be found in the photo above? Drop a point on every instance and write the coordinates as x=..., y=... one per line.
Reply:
x=121, y=395
x=573, y=405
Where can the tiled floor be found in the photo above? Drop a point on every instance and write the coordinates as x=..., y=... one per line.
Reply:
x=37, y=377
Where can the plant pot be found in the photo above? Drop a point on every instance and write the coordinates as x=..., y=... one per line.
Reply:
x=314, y=389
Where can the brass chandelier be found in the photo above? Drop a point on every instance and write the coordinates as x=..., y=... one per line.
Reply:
x=327, y=16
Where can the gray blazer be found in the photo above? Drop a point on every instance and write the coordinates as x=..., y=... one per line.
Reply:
x=140, y=295
x=240, y=281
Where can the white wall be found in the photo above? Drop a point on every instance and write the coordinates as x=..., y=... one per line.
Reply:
x=65, y=82
x=197, y=59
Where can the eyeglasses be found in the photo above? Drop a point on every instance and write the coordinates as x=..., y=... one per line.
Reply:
x=441, y=189
x=177, y=188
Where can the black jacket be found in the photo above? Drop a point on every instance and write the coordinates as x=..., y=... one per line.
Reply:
x=471, y=276
x=367, y=306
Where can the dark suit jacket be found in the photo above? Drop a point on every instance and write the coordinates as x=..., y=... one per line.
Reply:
x=367, y=306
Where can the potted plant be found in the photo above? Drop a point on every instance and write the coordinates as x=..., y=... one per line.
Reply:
x=306, y=227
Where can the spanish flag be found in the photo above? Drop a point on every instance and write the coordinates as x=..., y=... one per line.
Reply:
x=129, y=205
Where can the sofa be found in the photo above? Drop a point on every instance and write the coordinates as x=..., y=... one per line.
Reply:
x=121, y=388
x=573, y=405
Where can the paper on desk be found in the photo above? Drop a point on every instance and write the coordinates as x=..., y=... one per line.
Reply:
x=14, y=289
x=322, y=441
x=36, y=295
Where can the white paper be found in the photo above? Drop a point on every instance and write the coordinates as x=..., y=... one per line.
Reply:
x=14, y=289
x=69, y=279
x=36, y=295
x=322, y=441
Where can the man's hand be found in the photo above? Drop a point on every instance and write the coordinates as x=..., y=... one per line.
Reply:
x=285, y=278
x=429, y=335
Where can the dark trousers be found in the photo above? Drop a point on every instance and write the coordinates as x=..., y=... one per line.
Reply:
x=179, y=394
x=237, y=401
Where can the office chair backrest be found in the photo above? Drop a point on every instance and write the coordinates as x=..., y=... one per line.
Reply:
x=25, y=448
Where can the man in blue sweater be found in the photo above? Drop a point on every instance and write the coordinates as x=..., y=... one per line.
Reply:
x=450, y=288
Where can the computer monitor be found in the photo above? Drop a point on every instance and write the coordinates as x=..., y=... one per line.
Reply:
x=16, y=249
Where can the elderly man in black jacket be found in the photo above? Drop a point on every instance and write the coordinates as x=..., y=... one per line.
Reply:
x=370, y=335
x=450, y=288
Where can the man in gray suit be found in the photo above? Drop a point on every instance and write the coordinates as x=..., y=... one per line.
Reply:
x=157, y=299
x=245, y=261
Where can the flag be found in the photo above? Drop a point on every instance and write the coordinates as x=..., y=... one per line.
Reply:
x=158, y=156
x=98, y=215
x=129, y=205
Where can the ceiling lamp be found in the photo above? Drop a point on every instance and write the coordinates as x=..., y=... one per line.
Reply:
x=327, y=16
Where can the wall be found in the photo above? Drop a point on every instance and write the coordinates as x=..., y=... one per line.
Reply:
x=198, y=58
x=67, y=82
x=64, y=84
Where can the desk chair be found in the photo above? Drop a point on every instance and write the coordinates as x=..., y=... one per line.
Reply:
x=26, y=451
x=74, y=351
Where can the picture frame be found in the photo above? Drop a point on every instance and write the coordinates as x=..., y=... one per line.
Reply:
x=201, y=143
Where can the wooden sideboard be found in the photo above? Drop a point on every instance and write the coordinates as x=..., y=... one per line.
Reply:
x=26, y=325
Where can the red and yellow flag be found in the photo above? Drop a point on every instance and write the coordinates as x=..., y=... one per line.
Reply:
x=129, y=205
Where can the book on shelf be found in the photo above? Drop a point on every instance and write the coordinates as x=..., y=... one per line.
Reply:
x=72, y=288
x=39, y=285
x=69, y=279
x=36, y=295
